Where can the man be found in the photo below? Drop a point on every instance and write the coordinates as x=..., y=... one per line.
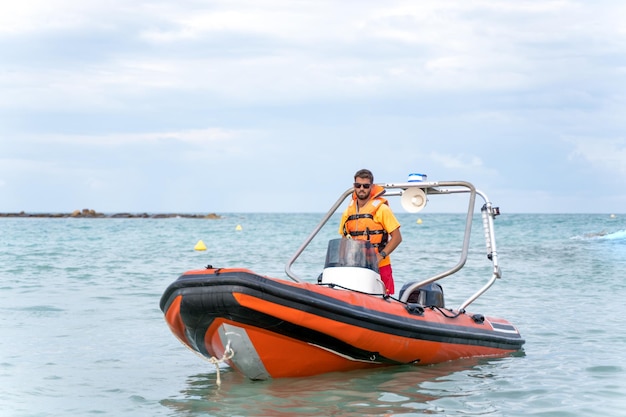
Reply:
x=369, y=217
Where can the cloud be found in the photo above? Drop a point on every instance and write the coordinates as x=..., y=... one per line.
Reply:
x=606, y=155
x=142, y=95
x=197, y=137
x=288, y=52
x=94, y=152
x=470, y=166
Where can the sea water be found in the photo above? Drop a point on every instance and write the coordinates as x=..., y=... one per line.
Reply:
x=82, y=333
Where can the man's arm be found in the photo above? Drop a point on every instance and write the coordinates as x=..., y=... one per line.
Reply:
x=389, y=222
x=392, y=244
x=344, y=217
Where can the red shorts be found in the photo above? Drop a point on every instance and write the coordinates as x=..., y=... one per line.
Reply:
x=386, y=275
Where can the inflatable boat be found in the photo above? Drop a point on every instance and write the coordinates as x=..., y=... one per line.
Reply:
x=341, y=320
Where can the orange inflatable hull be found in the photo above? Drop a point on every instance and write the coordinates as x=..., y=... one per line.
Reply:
x=274, y=328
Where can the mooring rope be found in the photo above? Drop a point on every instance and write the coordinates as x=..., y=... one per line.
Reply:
x=228, y=354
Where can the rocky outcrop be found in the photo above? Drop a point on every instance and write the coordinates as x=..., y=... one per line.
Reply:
x=90, y=213
x=86, y=213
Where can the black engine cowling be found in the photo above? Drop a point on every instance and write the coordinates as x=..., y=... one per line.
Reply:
x=429, y=295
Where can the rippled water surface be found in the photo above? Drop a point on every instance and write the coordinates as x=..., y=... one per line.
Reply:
x=82, y=333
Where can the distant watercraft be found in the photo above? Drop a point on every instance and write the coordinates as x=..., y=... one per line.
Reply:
x=620, y=234
x=596, y=234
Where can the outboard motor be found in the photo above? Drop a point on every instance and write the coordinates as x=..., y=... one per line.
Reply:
x=352, y=264
x=429, y=295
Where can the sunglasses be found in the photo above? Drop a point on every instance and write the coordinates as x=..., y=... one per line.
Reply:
x=366, y=186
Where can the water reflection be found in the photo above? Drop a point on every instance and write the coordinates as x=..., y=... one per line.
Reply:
x=406, y=391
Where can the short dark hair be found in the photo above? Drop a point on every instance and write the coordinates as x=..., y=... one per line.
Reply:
x=364, y=173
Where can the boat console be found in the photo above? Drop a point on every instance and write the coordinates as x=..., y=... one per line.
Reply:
x=352, y=265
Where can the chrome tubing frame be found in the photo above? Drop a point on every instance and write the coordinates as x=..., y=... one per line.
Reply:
x=430, y=188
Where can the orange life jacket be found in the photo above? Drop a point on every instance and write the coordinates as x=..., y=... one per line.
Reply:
x=361, y=225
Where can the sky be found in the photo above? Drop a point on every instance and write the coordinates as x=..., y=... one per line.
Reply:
x=273, y=105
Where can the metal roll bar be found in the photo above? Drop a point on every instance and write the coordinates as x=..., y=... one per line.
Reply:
x=488, y=213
